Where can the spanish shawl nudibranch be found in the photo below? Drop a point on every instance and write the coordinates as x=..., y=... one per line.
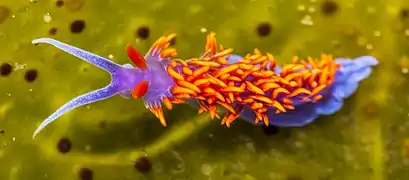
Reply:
x=254, y=87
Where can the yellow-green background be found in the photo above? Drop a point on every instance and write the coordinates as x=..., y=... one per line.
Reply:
x=365, y=140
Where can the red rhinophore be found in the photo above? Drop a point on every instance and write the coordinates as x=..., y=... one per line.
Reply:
x=140, y=89
x=136, y=57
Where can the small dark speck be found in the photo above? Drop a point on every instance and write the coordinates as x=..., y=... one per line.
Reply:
x=6, y=69
x=31, y=75
x=143, y=165
x=77, y=26
x=103, y=124
x=329, y=7
x=371, y=109
x=59, y=3
x=404, y=13
x=143, y=32
x=2, y=131
x=52, y=31
x=64, y=145
x=270, y=130
x=85, y=174
x=264, y=29
x=294, y=177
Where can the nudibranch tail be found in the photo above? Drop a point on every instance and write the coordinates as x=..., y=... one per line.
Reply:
x=84, y=99
x=346, y=81
x=91, y=58
x=352, y=72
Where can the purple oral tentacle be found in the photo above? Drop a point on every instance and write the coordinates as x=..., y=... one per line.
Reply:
x=93, y=96
x=94, y=59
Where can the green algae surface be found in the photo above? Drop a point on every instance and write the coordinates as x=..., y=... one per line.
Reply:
x=367, y=139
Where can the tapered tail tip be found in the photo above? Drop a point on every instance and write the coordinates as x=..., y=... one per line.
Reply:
x=368, y=60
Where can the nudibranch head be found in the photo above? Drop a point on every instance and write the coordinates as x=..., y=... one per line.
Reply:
x=157, y=80
x=155, y=76
x=148, y=80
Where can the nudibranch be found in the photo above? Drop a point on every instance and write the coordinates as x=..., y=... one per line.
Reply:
x=253, y=87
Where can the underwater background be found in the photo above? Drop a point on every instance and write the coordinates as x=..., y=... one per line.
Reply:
x=120, y=139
